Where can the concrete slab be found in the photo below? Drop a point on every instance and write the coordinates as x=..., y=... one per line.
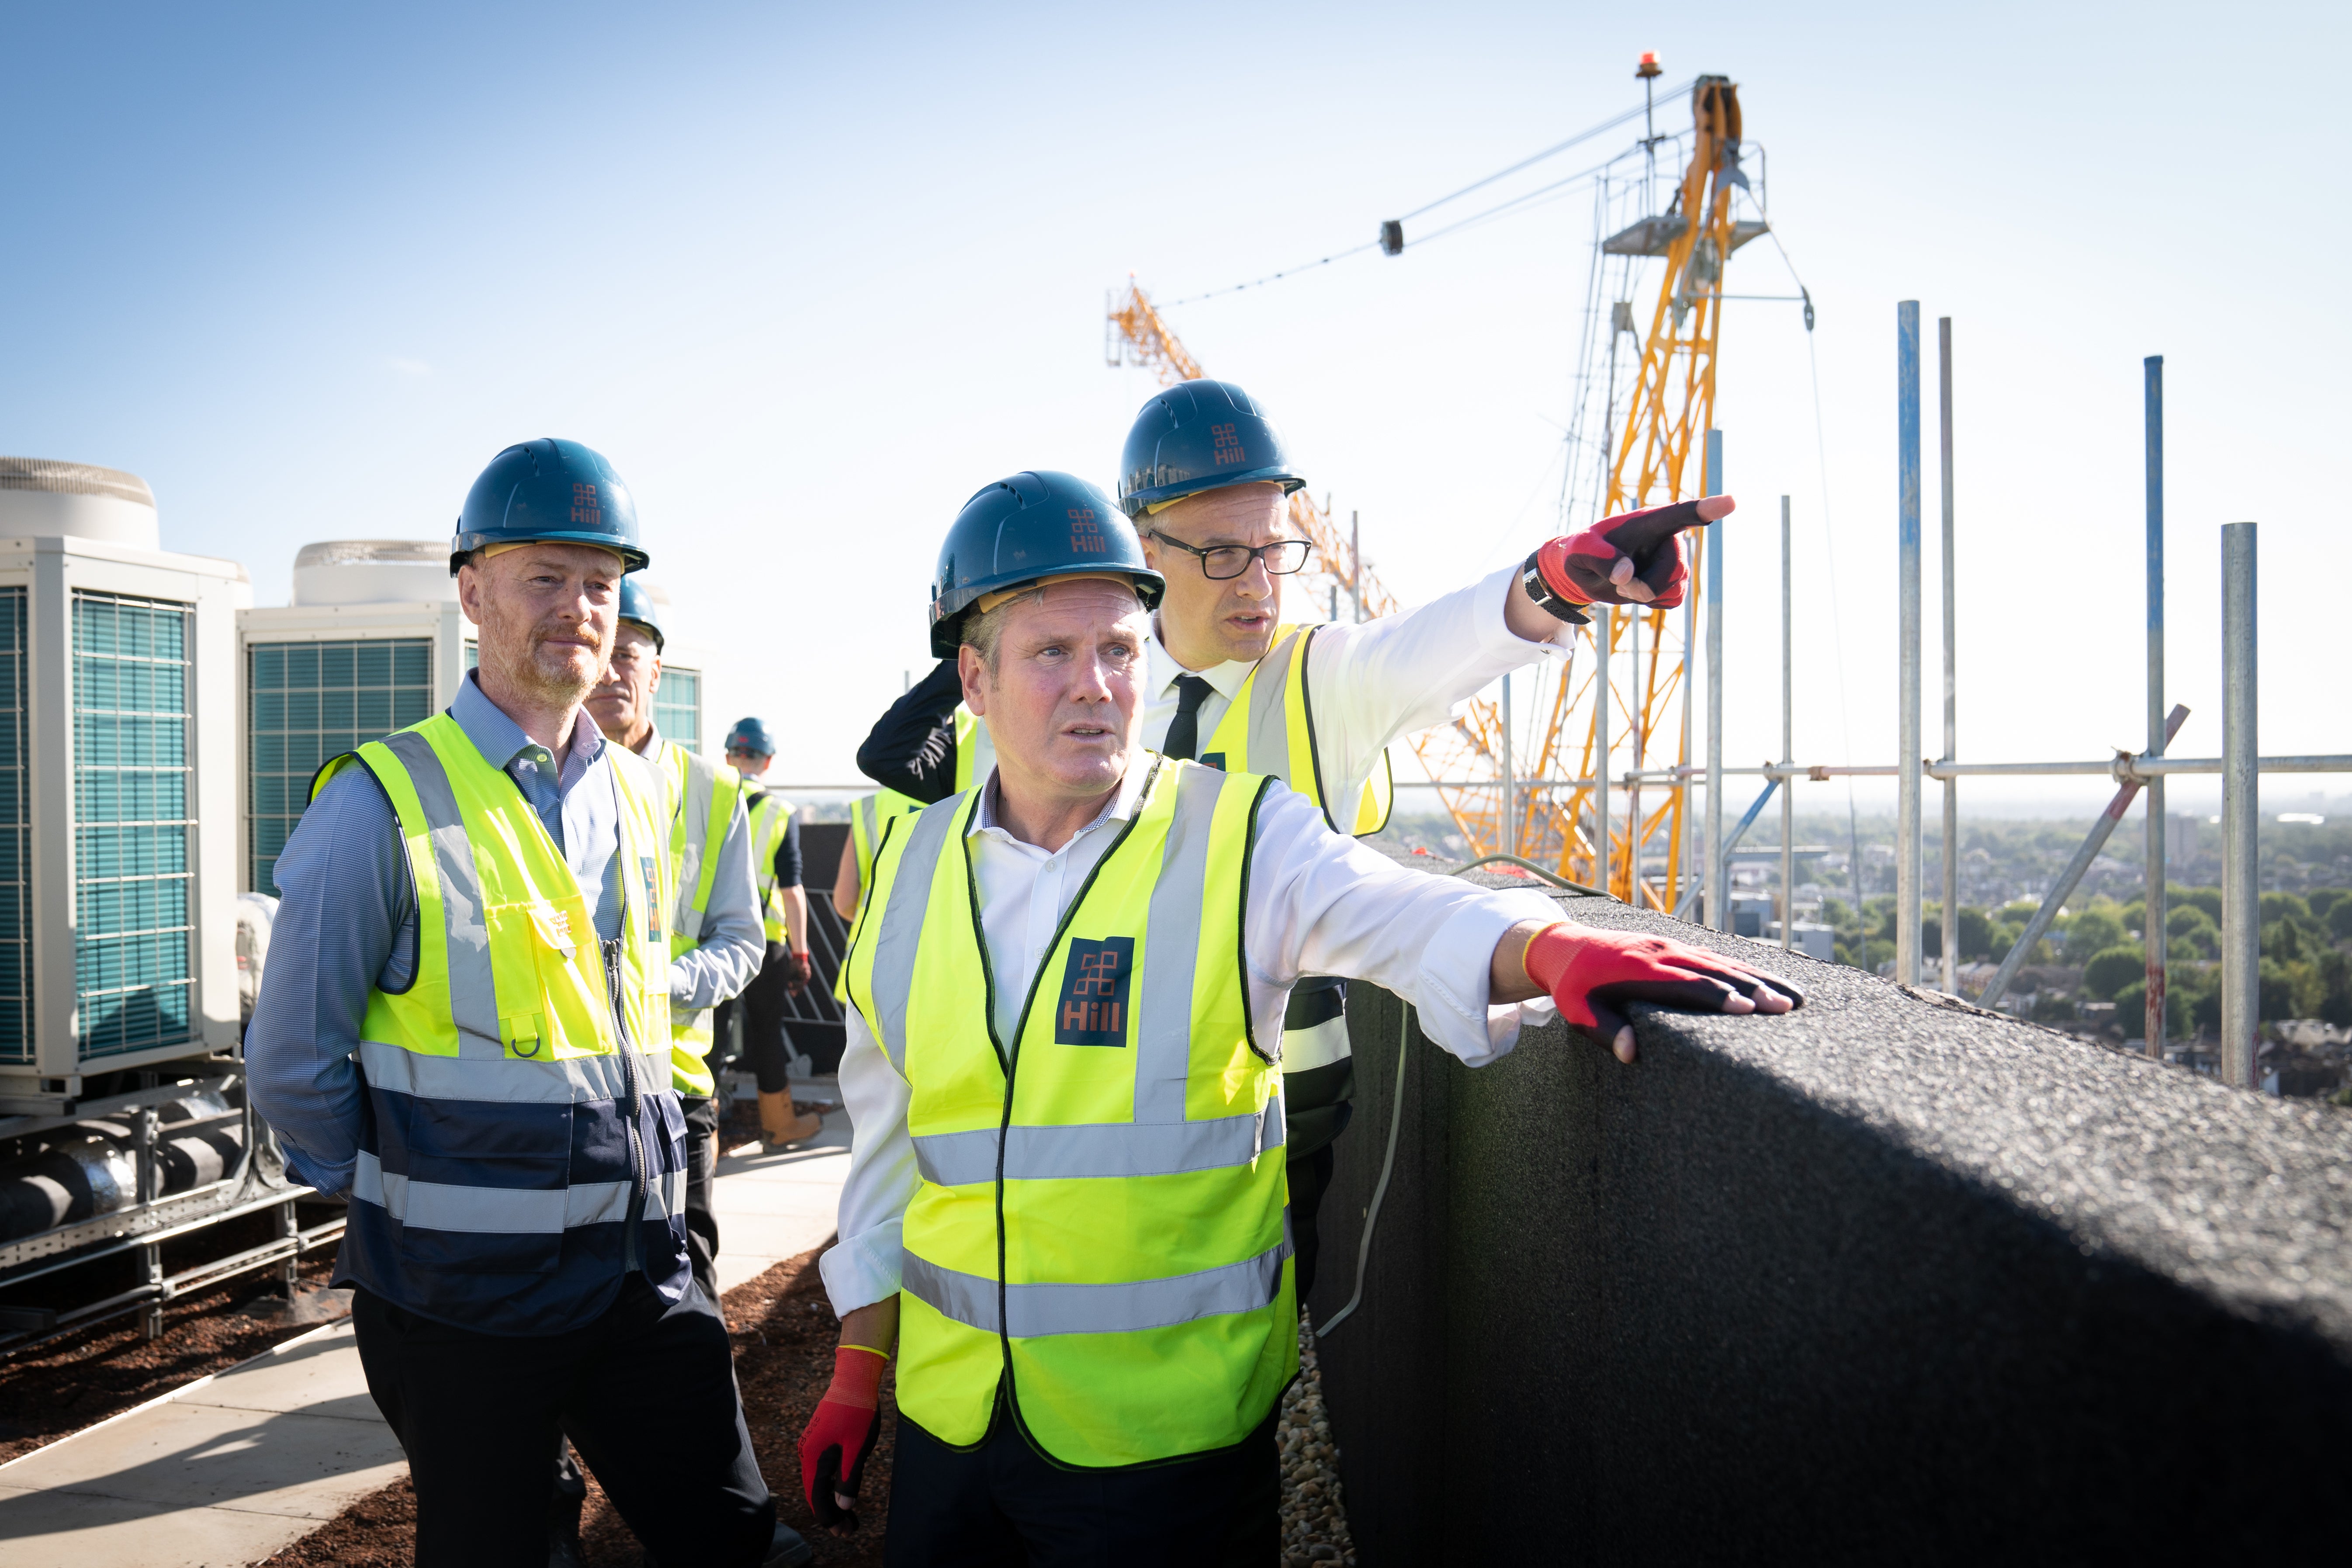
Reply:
x=43, y=1529
x=228, y=1470
x=778, y=1205
x=318, y=1374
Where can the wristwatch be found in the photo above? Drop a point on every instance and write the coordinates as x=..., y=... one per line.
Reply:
x=1532, y=579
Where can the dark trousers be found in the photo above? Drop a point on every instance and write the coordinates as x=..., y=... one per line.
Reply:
x=646, y=1392
x=1311, y=1178
x=762, y=1007
x=1004, y=1505
x=701, y=1165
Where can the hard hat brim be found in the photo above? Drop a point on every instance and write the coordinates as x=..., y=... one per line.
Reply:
x=1137, y=502
x=632, y=558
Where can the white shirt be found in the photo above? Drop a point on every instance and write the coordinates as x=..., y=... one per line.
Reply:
x=1318, y=904
x=1374, y=681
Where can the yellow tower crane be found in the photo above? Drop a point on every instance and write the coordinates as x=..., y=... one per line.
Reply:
x=1650, y=458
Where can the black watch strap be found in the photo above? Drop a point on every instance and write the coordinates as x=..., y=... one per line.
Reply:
x=1538, y=590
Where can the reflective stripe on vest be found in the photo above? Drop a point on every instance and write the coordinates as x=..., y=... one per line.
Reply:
x=1269, y=728
x=519, y=1112
x=705, y=796
x=867, y=815
x=1141, y=1299
x=772, y=817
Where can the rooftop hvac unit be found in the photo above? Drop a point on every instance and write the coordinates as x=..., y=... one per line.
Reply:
x=117, y=776
x=374, y=641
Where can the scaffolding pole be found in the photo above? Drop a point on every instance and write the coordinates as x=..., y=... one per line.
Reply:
x=1717, y=913
x=1788, y=738
x=1949, y=965
x=2154, y=921
x=1907, y=842
x=2241, y=802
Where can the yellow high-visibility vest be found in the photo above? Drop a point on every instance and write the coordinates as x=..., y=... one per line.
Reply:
x=770, y=815
x=1137, y=1301
x=867, y=814
x=705, y=798
x=1269, y=728
x=525, y=1146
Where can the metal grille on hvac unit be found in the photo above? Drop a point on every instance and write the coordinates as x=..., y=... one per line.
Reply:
x=308, y=701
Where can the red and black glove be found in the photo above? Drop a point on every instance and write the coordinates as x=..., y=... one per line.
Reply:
x=1603, y=563
x=840, y=1434
x=798, y=967
x=1593, y=974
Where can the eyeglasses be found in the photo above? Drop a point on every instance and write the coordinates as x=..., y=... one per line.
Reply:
x=1282, y=558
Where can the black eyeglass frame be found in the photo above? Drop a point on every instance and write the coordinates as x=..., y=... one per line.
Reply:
x=1258, y=553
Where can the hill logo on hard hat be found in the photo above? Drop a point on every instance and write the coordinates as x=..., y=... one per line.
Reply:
x=1228, y=445
x=584, y=510
x=1086, y=533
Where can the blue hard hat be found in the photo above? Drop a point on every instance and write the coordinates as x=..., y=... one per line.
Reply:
x=637, y=607
x=751, y=736
x=549, y=489
x=1030, y=527
x=1200, y=436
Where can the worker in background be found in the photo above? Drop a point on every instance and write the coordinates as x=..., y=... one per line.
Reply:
x=867, y=815
x=465, y=1032
x=1206, y=478
x=775, y=837
x=1066, y=1200
x=716, y=941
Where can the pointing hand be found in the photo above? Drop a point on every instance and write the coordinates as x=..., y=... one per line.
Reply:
x=1634, y=558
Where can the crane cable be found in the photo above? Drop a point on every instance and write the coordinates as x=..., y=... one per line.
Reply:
x=1584, y=135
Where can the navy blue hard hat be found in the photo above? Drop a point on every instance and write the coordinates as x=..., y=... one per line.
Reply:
x=1200, y=436
x=1023, y=530
x=549, y=489
x=638, y=608
x=751, y=736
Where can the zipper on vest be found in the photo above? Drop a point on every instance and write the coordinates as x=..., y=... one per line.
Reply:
x=612, y=951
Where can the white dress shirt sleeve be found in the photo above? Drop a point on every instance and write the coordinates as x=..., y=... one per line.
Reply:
x=1376, y=681
x=1324, y=904
x=861, y=1268
x=734, y=941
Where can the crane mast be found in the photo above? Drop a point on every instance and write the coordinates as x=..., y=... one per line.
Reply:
x=1648, y=459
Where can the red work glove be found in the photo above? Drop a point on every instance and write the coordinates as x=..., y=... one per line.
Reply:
x=799, y=966
x=1592, y=972
x=1634, y=558
x=840, y=1434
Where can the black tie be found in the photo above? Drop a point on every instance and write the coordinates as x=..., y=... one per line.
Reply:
x=1184, y=730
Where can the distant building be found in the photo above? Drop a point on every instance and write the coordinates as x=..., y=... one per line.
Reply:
x=2181, y=837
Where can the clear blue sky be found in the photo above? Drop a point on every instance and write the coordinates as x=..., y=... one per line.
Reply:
x=812, y=275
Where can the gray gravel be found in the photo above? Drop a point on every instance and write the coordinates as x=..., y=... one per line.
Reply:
x=1314, y=1517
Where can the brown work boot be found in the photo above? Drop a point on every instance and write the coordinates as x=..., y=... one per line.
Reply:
x=780, y=1128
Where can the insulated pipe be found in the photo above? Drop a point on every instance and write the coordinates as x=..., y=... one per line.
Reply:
x=1788, y=737
x=1949, y=969
x=1718, y=884
x=94, y=1167
x=1907, y=443
x=2154, y=924
x=2240, y=801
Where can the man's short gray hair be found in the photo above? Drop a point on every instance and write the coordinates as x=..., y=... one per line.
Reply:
x=984, y=633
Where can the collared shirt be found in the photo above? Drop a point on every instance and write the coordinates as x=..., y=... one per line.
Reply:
x=1318, y=904
x=733, y=941
x=1374, y=681
x=346, y=925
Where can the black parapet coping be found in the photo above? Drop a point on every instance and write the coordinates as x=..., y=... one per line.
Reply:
x=1880, y=1281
